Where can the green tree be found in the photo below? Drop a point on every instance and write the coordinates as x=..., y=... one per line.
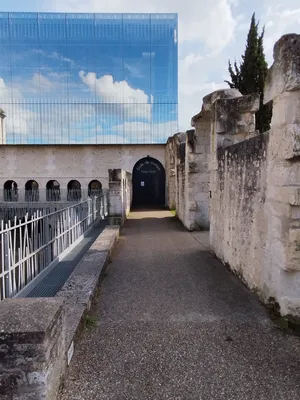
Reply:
x=249, y=77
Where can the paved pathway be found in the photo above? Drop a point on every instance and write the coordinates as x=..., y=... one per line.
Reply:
x=174, y=324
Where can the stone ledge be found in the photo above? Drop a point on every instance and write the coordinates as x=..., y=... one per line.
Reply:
x=80, y=289
x=32, y=348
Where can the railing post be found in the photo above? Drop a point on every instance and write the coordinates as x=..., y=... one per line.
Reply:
x=6, y=266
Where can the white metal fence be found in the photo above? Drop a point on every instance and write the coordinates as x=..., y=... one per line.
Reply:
x=48, y=195
x=30, y=244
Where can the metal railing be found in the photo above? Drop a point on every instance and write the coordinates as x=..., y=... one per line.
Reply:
x=49, y=195
x=31, y=244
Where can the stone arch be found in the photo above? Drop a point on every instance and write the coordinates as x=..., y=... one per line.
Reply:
x=53, y=190
x=10, y=191
x=31, y=191
x=148, y=183
x=94, y=188
x=74, y=190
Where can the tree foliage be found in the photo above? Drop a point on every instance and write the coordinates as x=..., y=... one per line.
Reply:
x=249, y=77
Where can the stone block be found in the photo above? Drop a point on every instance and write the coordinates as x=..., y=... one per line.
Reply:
x=295, y=213
x=285, y=142
x=32, y=345
x=115, y=175
x=294, y=196
x=293, y=251
x=284, y=75
x=211, y=98
x=193, y=168
x=236, y=116
x=193, y=206
x=286, y=109
x=290, y=306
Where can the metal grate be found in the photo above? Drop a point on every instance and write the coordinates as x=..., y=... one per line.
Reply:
x=55, y=280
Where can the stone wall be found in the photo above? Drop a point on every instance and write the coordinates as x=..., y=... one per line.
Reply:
x=170, y=174
x=32, y=348
x=255, y=182
x=198, y=147
x=64, y=163
x=176, y=175
x=238, y=191
x=120, y=193
x=282, y=252
x=187, y=174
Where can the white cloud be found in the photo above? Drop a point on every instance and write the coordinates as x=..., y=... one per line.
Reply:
x=210, y=32
x=55, y=56
x=206, y=25
x=210, y=22
x=19, y=119
x=25, y=121
x=134, y=101
x=112, y=91
x=41, y=82
x=195, y=83
x=279, y=21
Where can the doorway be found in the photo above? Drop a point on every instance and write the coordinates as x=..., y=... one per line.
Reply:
x=148, y=182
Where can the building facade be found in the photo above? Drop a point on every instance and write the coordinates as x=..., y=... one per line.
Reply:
x=88, y=78
x=64, y=169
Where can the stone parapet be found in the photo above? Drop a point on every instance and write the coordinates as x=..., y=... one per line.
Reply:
x=32, y=348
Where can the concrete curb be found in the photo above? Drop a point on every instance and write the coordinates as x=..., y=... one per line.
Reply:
x=80, y=289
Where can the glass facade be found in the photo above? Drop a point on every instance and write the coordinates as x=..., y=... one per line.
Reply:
x=88, y=78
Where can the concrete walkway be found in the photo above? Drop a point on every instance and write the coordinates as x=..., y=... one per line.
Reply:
x=174, y=324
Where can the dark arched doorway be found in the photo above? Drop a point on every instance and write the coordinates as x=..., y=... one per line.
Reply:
x=31, y=191
x=53, y=191
x=95, y=188
x=10, y=192
x=148, y=182
x=74, y=190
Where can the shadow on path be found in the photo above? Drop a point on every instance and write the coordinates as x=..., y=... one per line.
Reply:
x=173, y=323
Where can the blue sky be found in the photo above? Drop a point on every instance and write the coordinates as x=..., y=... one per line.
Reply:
x=209, y=34
x=89, y=78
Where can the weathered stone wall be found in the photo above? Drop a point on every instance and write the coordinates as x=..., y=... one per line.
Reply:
x=282, y=252
x=237, y=182
x=255, y=183
x=32, y=348
x=170, y=159
x=120, y=193
x=64, y=163
x=176, y=175
x=198, y=149
x=187, y=175
x=238, y=233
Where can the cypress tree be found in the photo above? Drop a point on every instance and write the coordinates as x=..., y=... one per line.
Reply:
x=249, y=77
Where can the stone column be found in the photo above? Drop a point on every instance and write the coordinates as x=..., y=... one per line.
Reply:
x=2, y=127
x=115, y=193
x=32, y=348
x=170, y=174
x=197, y=152
x=282, y=252
x=232, y=119
x=180, y=175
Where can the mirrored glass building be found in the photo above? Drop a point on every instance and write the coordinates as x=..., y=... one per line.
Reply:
x=88, y=78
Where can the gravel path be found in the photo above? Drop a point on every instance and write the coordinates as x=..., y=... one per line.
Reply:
x=173, y=323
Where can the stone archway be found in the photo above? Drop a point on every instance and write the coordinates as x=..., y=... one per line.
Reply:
x=95, y=188
x=148, y=183
x=32, y=191
x=74, y=190
x=10, y=191
x=53, y=191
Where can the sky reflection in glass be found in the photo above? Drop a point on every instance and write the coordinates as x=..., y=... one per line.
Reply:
x=88, y=78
